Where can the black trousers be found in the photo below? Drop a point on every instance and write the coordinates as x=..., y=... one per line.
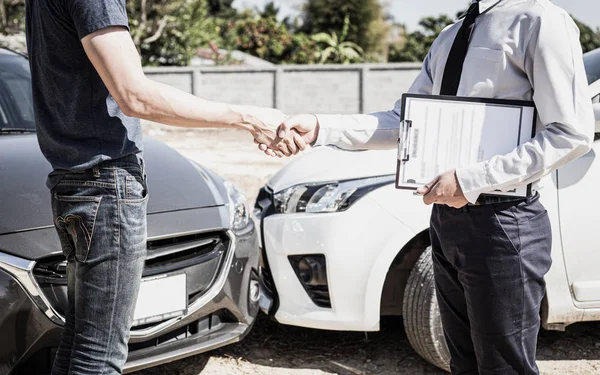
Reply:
x=489, y=266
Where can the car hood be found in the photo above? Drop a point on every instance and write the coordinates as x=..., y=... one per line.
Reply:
x=174, y=183
x=331, y=164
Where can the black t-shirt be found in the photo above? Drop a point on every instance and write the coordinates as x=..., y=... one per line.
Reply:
x=79, y=124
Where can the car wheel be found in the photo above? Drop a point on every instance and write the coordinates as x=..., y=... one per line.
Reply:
x=421, y=315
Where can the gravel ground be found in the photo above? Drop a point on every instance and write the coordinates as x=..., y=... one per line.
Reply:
x=271, y=348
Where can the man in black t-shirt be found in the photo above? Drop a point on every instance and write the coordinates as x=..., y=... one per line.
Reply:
x=89, y=91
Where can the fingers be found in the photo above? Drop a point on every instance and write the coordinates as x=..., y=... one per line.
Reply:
x=299, y=141
x=291, y=144
x=284, y=128
x=432, y=191
x=267, y=150
x=283, y=148
x=430, y=198
x=424, y=190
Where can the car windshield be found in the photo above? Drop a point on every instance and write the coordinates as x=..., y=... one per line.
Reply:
x=592, y=65
x=16, y=102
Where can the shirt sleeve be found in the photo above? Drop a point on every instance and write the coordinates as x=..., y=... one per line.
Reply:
x=376, y=131
x=90, y=16
x=554, y=66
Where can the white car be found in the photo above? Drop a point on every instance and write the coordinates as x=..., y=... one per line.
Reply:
x=342, y=247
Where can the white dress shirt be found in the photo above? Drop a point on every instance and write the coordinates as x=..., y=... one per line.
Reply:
x=519, y=49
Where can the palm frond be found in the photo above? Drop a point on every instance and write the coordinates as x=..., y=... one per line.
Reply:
x=323, y=38
x=326, y=54
x=353, y=46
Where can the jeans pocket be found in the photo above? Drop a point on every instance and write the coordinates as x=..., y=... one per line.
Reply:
x=75, y=220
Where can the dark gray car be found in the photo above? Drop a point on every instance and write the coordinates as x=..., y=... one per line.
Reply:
x=198, y=225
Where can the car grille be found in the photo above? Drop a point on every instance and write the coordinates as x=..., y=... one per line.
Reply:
x=201, y=256
x=203, y=326
x=319, y=295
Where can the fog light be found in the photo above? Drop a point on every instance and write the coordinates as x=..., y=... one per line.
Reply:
x=311, y=271
x=254, y=291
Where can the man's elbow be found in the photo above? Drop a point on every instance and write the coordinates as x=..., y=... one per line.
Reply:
x=133, y=101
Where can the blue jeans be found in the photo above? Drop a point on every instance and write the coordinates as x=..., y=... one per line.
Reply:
x=100, y=217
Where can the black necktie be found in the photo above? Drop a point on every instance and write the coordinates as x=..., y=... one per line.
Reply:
x=456, y=58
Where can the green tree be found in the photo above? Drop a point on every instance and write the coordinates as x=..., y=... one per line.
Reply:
x=368, y=26
x=419, y=42
x=589, y=38
x=259, y=33
x=271, y=10
x=222, y=9
x=337, y=48
x=12, y=16
x=169, y=32
x=262, y=37
x=304, y=50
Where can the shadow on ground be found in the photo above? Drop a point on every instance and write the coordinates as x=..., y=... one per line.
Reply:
x=277, y=346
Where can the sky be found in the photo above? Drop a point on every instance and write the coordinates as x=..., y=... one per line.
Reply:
x=409, y=12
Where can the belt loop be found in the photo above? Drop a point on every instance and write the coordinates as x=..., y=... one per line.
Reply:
x=96, y=171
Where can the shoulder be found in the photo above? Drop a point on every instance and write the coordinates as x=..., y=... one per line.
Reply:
x=447, y=34
x=546, y=12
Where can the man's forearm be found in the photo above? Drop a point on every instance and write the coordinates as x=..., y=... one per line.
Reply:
x=161, y=103
x=116, y=60
x=551, y=148
x=378, y=131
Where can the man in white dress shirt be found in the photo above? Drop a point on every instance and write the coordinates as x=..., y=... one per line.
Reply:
x=490, y=254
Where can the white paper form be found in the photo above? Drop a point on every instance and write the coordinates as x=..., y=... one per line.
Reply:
x=440, y=135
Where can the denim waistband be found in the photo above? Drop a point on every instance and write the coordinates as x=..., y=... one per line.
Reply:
x=132, y=159
x=129, y=161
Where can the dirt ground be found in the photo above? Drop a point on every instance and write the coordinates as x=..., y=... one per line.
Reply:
x=275, y=349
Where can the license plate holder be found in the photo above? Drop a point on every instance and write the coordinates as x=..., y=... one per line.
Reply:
x=160, y=298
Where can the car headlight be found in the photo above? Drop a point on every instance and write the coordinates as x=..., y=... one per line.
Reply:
x=238, y=207
x=328, y=197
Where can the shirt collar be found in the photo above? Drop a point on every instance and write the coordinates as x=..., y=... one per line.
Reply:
x=486, y=5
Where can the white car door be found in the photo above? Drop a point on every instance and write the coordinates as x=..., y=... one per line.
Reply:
x=579, y=202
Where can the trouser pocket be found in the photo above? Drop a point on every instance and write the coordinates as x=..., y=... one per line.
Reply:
x=75, y=220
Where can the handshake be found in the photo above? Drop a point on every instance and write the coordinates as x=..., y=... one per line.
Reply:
x=278, y=135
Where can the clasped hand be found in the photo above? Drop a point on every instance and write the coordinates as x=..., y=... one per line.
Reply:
x=296, y=132
x=288, y=137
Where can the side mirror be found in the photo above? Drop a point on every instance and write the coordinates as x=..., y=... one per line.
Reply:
x=597, y=116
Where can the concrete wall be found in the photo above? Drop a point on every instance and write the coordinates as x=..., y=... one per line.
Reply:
x=294, y=89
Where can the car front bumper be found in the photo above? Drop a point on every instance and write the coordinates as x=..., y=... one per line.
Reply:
x=358, y=249
x=30, y=328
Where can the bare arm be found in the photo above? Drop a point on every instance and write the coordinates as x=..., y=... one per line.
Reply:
x=113, y=54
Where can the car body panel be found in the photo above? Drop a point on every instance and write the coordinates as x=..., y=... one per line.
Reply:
x=35, y=244
x=352, y=263
x=173, y=178
x=27, y=332
x=334, y=164
x=578, y=188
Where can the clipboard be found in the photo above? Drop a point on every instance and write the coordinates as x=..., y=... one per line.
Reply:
x=440, y=133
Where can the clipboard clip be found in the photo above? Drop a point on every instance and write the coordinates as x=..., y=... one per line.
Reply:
x=404, y=141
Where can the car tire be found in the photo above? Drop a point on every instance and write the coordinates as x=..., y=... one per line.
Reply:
x=420, y=312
